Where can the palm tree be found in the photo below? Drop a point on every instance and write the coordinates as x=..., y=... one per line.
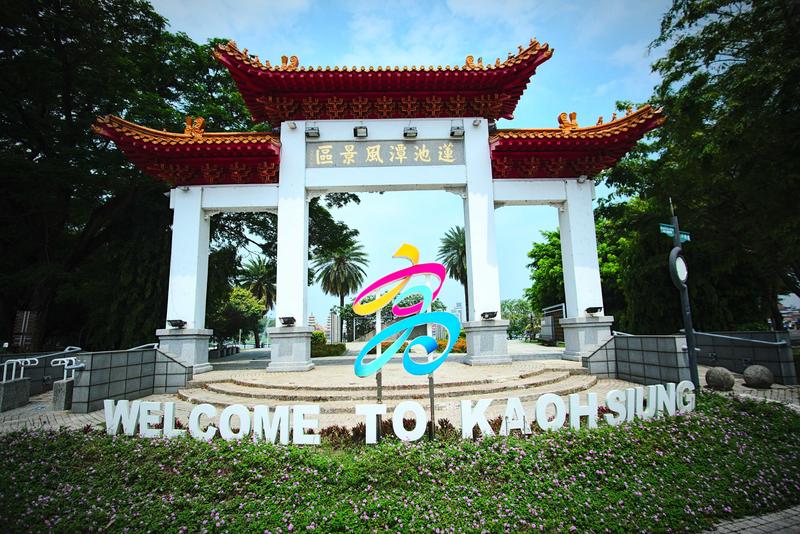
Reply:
x=341, y=271
x=259, y=276
x=453, y=255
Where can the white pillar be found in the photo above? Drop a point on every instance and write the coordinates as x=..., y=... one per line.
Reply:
x=582, y=332
x=291, y=346
x=486, y=340
x=188, y=279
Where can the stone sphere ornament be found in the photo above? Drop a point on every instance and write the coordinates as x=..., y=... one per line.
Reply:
x=719, y=378
x=758, y=376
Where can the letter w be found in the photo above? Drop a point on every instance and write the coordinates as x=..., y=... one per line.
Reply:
x=125, y=413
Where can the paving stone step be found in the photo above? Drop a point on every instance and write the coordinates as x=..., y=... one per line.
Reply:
x=250, y=389
x=570, y=384
x=368, y=384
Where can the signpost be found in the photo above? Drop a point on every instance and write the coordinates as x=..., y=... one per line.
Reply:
x=680, y=273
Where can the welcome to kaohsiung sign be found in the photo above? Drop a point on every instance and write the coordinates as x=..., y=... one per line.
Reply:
x=272, y=424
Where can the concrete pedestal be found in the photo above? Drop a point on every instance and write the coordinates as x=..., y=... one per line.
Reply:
x=14, y=393
x=187, y=345
x=582, y=335
x=62, y=394
x=487, y=342
x=290, y=349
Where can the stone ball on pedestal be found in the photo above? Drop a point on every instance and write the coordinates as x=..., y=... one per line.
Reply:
x=758, y=376
x=719, y=378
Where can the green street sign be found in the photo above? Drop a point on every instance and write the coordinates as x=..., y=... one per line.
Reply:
x=669, y=230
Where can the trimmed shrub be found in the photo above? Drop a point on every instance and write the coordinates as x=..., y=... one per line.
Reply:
x=318, y=338
x=334, y=349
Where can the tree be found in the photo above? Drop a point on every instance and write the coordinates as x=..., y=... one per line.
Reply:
x=728, y=158
x=86, y=235
x=241, y=311
x=519, y=314
x=453, y=255
x=259, y=276
x=341, y=271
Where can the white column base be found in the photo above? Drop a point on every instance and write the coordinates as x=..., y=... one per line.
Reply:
x=582, y=335
x=290, y=349
x=487, y=342
x=187, y=345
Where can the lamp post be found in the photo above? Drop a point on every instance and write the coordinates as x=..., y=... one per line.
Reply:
x=680, y=274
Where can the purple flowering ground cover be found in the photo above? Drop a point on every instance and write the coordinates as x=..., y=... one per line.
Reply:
x=727, y=459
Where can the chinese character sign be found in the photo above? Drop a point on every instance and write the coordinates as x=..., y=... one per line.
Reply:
x=414, y=315
x=343, y=154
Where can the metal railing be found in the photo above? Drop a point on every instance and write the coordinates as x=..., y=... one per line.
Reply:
x=744, y=339
x=19, y=363
x=145, y=346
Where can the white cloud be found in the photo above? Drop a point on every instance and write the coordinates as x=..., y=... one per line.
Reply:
x=202, y=19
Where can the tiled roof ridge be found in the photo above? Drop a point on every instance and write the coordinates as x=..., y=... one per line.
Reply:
x=644, y=114
x=197, y=136
x=539, y=52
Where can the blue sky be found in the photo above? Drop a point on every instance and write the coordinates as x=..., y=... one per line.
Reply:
x=601, y=56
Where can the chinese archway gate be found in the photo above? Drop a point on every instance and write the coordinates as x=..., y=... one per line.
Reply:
x=380, y=129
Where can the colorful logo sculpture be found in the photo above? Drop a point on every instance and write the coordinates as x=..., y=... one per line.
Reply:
x=414, y=314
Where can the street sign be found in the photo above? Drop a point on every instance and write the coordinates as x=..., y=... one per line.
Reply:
x=669, y=230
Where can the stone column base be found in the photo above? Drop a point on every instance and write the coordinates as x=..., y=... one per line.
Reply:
x=62, y=394
x=582, y=335
x=187, y=345
x=15, y=393
x=487, y=342
x=290, y=349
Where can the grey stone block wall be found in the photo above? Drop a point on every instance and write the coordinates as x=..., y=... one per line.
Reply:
x=43, y=375
x=127, y=375
x=641, y=359
x=14, y=393
x=737, y=354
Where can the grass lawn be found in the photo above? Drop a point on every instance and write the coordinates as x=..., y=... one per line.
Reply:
x=727, y=459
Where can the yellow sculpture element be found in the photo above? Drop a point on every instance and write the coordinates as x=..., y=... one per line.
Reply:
x=567, y=123
x=409, y=252
x=324, y=155
x=446, y=153
x=195, y=127
x=374, y=154
x=628, y=111
x=421, y=153
x=600, y=120
x=349, y=155
x=613, y=116
x=289, y=63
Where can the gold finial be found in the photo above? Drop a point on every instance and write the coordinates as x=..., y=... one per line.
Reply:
x=469, y=62
x=195, y=127
x=497, y=62
x=567, y=122
x=613, y=116
x=480, y=62
x=600, y=120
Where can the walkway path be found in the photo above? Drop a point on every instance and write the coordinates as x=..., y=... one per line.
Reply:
x=783, y=522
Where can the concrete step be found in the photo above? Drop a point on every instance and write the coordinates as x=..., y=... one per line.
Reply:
x=564, y=386
x=368, y=384
x=249, y=389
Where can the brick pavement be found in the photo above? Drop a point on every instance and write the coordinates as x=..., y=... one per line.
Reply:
x=783, y=522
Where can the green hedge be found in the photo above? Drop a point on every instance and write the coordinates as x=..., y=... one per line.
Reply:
x=728, y=459
x=332, y=349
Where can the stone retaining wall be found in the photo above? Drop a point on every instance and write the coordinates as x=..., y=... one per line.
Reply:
x=641, y=359
x=125, y=375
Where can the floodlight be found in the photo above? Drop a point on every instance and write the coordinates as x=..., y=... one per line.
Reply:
x=312, y=132
x=177, y=323
x=456, y=131
x=591, y=310
x=360, y=132
x=287, y=321
x=488, y=315
x=410, y=132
